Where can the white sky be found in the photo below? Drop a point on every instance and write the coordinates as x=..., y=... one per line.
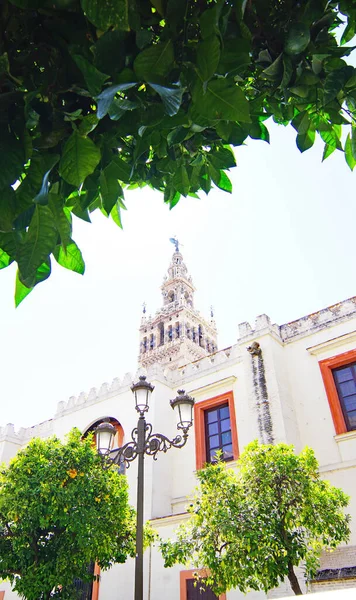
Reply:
x=282, y=244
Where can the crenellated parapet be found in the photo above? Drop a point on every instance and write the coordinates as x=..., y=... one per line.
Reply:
x=327, y=317
x=323, y=318
x=24, y=434
x=109, y=390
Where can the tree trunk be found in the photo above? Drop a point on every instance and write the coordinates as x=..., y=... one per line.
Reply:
x=294, y=581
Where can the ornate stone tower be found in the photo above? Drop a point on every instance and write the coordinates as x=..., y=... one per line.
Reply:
x=177, y=334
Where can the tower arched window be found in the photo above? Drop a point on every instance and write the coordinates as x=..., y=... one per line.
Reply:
x=200, y=335
x=171, y=296
x=177, y=330
x=152, y=341
x=161, y=334
x=144, y=344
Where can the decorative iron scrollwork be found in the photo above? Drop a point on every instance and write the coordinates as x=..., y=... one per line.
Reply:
x=152, y=445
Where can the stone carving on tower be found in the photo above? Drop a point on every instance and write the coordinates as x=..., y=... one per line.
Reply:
x=177, y=334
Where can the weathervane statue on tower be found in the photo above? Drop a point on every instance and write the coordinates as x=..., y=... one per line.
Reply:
x=175, y=242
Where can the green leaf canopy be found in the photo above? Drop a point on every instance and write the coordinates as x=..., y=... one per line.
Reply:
x=52, y=497
x=157, y=87
x=250, y=527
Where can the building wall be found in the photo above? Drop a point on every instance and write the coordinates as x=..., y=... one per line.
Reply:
x=279, y=396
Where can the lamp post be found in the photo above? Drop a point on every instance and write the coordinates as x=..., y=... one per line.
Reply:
x=142, y=442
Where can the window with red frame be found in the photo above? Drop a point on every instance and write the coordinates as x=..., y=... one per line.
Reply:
x=218, y=434
x=345, y=381
x=215, y=429
x=339, y=376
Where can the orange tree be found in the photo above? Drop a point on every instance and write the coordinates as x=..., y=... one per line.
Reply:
x=251, y=527
x=59, y=511
x=98, y=96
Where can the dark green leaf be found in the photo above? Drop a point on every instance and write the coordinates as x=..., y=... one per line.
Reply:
x=39, y=242
x=222, y=158
x=224, y=100
x=88, y=124
x=11, y=158
x=7, y=209
x=92, y=76
x=155, y=61
x=349, y=157
x=116, y=215
x=181, y=180
x=331, y=138
x=5, y=259
x=305, y=140
x=276, y=70
x=23, y=220
x=205, y=179
x=62, y=223
x=327, y=151
x=348, y=33
x=70, y=257
x=301, y=122
x=21, y=290
x=110, y=188
x=258, y=131
x=176, y=136
x=335, y=81
x=79, y=158
x=42, y=196
x=208, y=56
x=174, y=200
x=353, y=141
x=106, y=97
x=104, y=15
x=108, y=54
x=209, y=21
x=171, y=97
x=8, y=243
x=298, y=38
x=115, y=111
x=287, y=71
x=143, y=38
x=123, y=169
x=223, y=182
x=40, y=164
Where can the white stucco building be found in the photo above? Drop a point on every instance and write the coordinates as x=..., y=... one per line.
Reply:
x=293, y=383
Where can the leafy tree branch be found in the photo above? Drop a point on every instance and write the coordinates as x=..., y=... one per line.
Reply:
x=52, y=521
x=98, y=97
x=249, y=528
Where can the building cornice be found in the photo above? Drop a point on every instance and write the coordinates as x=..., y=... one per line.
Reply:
x=335, y=342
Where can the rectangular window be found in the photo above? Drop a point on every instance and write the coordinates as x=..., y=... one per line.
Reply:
x=339, y=376
x=218, y=434
x=345, y=381
x=215, y=429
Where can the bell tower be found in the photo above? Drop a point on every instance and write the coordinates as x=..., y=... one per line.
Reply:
x=177, y=334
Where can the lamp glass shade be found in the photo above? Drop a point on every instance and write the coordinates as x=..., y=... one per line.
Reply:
x=104, y=433
x=142, y=391
x=183, y=407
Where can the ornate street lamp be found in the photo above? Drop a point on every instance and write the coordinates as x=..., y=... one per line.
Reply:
x=143, y=441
